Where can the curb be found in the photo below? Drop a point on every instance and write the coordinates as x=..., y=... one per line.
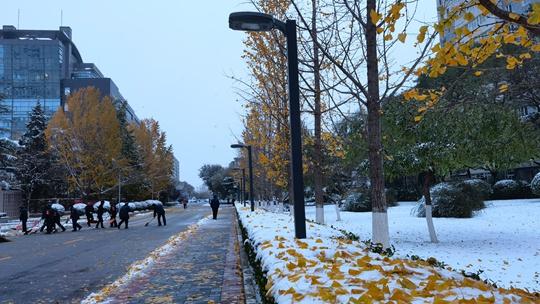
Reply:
x=251, y=293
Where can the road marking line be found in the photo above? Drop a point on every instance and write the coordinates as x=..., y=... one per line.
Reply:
x=72, y=241
x=5, y=258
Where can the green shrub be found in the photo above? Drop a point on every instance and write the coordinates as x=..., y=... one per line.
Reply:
x=511, y=189
x=407, y=194
x=535, y=184
x=359, y=201
x=452, y=200
x=478, y=190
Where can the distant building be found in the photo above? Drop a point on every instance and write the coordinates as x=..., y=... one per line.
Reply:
x=42, y=66
x=176, y=169
x=480, y=22
x=106, y=87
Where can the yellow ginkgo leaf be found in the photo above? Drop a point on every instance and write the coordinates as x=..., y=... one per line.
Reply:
x=375, y=17
x=513, y=16
x=478, y=73
x=468, y=16
x=417, y=118
x=388, y=37
x=534, y=17
x=401, y=37
x=422, y=34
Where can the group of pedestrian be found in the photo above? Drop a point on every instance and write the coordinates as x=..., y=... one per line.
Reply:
x=52, y=217
x=113, y=211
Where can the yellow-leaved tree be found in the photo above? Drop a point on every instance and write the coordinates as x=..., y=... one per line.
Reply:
x=85, y=136
x=156, y=156
x=267, y=120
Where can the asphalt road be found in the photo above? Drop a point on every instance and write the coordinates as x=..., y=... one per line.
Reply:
x=65, y=267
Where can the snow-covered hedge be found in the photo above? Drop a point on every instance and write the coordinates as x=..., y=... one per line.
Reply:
x=106, y=205
x=140, y=206
x=453, y=200
x=58, y=207
x=481, y=187
x=134, y=206
x=359, y=201
x=326, y=267
x=535, y=185
x=511, y=189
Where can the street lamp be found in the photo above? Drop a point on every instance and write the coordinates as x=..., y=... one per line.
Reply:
x=250, y=163
x=243, y=184
x=257, y=22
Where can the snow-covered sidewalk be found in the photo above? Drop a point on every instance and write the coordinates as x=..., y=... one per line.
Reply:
x=502, y=240
x=326, y=267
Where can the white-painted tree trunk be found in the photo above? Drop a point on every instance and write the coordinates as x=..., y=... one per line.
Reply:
x=292, y=210
x=319, y=214
x=380, y=229
x=431, y=228
x=338, y=215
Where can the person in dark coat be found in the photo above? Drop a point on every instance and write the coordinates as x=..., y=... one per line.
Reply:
x=100, y=211
x=113, y=211
x=184, y=202
x=74, y=218
x=124, y=215
x=57, y=222
x=214, y=203
x=88, y=210
x=43, y=216
x=50, y=219
x=160, y=212
x=23, y=216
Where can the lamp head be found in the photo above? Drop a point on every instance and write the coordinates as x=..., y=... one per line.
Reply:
x=251, y=22
x=238, y=146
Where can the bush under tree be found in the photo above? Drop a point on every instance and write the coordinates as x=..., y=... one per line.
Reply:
x=511, y=189
x=458, y=199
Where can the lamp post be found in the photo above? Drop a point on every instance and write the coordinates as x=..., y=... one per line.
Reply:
x=259, y=22
x=250, y=161
x=242, y=184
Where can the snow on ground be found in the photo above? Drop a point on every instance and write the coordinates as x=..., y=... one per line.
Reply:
x=327, y=268
x=139, y=268
x=503, y=240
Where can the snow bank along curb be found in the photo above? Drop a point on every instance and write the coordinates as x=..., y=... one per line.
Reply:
x=329, y=268
x=139, y=268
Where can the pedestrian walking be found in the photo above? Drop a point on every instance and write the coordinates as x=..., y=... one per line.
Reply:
x=57, y=222
x=160, y=212
x=23, y=216
x=43, y=216
x=214, y=203
x=184, y=202
x=49, y=219
x=113, y=211
x=74, y=218
x=124, y=215
x=88, y=210
x=100, y=211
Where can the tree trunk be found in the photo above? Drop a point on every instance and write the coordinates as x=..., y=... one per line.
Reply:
x=428, y=179
x=317, y=170
x=376, y=174
x=338, y=215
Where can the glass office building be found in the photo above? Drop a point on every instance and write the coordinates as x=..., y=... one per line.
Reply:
x=32, y=63
x=33, y=66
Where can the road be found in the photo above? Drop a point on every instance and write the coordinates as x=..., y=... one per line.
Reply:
x=65, y=267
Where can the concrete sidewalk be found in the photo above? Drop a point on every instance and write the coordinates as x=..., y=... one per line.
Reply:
x=204, y=268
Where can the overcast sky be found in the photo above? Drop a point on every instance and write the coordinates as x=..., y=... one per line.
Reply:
x=170, y=60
